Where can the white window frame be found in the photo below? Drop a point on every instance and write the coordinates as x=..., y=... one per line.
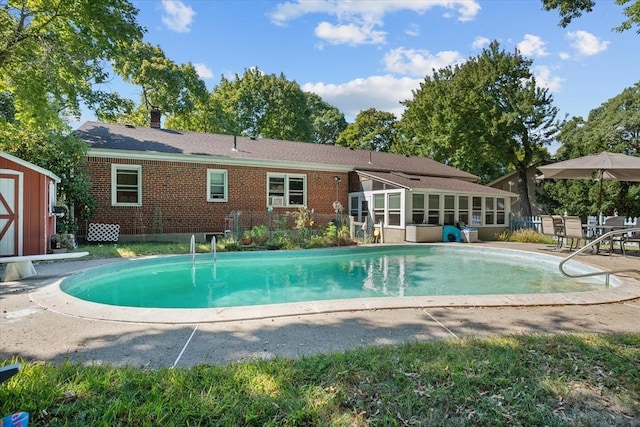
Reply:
x=417, y=211
x=489, y=210
x=287, y=177
x=115, y=170
x=225, y=190
x=53, y=195
x=394, y=212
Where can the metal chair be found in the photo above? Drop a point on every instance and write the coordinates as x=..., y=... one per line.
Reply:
x=632, y=237
x=615, y=223
x=550, y=227
x=574, y=230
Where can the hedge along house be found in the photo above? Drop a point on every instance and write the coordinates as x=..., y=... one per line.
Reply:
x=27, y=207
x=150, y=180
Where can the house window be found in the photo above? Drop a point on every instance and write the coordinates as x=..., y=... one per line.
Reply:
x=217, y=185
x=126, y=185
x=418, y=214
x=378, y=208
x=394, y=208
x=476, y=213
x=52, y=196
x=354, y=206
x=501, y=217
x=463, y=209
x=449, y=209
x=489, y=213
x=434, y=209
x=286, y=190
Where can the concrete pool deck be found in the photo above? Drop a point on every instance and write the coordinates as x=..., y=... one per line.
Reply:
x=39, y=322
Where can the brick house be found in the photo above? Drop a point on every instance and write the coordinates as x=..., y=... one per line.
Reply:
x=151, y=180
x=27, y=207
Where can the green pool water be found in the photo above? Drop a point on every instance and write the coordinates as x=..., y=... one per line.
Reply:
x=271, y=277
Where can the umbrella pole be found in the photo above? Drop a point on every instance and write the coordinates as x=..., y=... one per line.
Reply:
x=600, y=198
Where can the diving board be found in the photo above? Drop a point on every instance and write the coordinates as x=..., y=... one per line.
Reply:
x=20, y=267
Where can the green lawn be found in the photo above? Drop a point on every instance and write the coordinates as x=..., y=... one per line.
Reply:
x=563, y=380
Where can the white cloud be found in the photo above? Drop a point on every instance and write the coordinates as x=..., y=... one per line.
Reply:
x=203, y=71
x=545, y=79
x=347, y=10
x=480, y=42
x=412, y=30
x=177, y=16
x=416, y=62
x=564, y=56
x=383, y=93
x=586, y=43
x=349, y=34
x=356, y=20
x=532, y=46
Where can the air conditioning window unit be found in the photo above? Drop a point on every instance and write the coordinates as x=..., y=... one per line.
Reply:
x=277, y=201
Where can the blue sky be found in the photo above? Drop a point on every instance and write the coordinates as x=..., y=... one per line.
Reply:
x=364, y=54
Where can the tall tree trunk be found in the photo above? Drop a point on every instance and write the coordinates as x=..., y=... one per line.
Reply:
x=523, y=189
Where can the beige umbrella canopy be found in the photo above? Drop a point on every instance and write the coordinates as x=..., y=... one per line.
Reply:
x=601, y=166
x=606, y=165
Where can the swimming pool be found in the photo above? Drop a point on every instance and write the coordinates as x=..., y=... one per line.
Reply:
x=275, y=277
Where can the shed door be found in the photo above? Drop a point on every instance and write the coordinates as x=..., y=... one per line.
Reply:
x=9, y=213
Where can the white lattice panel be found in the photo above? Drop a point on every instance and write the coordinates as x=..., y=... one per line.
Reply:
x=103, y=232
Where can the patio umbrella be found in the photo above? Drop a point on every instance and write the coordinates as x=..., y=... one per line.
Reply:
x=601, y=166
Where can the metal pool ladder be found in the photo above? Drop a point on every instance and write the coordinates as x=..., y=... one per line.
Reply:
x=591, y=245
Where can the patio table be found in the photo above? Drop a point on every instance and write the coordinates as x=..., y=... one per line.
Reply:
x=601, y=230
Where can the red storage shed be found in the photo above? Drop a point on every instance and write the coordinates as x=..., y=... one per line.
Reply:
x=27, y=199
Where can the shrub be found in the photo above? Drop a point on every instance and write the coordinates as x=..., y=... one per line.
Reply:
x=524, y=236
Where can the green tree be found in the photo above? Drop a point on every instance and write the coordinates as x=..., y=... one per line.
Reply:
x=174, y=89
x=486, y=116
x=54, y=53
x=571, y=9
x=261, y=105
x=372, y=130
x=328, y=121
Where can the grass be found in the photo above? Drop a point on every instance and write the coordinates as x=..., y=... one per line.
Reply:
x=130, y=250
x=563, y=380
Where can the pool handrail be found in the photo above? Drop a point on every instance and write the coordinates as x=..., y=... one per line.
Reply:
x=597, y=241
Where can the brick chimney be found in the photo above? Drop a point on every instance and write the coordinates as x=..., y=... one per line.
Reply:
x=155, y=117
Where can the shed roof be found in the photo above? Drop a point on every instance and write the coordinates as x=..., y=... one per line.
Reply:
x=105, y=137
x=30, y=165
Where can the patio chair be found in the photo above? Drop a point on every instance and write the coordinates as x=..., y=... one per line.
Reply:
x=574, y=230
x=631, y=238
x=614, y=223
x=551, y=227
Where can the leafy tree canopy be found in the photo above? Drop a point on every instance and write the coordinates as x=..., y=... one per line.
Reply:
x=372, y=130
x=173, y=88
x=254, y=104
x=486, y=116
x=54, y=53
x=328, y=121
x=571, y=9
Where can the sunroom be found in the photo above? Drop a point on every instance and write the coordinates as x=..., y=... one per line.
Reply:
x=418, y=208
